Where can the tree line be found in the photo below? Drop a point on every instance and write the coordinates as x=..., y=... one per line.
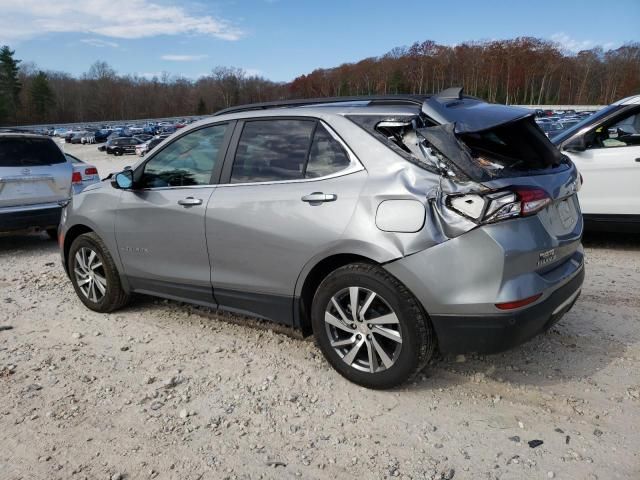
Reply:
x=519, y=71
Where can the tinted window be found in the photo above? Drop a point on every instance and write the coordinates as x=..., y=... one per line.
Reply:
x=272, y=150
x=189, y=160
x=29, y=152
x=326, y=156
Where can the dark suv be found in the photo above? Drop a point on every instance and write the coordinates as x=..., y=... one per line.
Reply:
x=120, y=146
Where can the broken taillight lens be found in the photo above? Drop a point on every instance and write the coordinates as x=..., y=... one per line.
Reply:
x=500, y=205
x=76, y=177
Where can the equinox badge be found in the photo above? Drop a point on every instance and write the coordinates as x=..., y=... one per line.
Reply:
x=546, y=257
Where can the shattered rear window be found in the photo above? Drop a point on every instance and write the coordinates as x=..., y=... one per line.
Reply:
x=514, y=149
x=518, y=145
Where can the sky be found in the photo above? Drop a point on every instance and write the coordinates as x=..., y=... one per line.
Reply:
x=282, y=39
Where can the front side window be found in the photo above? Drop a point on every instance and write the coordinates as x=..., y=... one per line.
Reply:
x=187, y=161
x=622, y=132
x=277, y=150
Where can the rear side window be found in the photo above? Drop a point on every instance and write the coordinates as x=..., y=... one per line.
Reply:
x=327, y=155
x=187, y=161
x=277, y=150
x=29, y=152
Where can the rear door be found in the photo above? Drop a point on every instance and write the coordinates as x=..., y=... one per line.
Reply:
x=287, y=193
x=160, y=223
x=33, y=171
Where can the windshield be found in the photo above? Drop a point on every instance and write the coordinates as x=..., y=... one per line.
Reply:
x=561, y=137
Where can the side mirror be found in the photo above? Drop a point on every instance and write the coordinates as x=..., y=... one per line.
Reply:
x=578, y=144
x=123, y=180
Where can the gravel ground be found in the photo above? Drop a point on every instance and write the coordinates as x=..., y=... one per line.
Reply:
x=167, y=390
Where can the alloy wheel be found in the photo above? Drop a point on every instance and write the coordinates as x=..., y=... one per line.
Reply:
x=90, y=275
x=363, y=329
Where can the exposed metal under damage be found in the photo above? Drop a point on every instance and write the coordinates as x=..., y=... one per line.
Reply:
x=483, y=154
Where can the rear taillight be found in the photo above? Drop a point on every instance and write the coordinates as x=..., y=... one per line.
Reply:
x=532, y=200
x=91, y=171
x=499, y=205
x=76, y=177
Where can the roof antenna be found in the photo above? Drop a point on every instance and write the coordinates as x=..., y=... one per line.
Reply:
x=453, y=93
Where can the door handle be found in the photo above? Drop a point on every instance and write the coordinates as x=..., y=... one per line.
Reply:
x=638, y=160
x=190, y=202
x=319, y=197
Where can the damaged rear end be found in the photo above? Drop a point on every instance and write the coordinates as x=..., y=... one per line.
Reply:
x=509, y=260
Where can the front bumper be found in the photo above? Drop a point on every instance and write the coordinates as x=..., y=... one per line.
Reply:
x=495, y=333
x=41, y=216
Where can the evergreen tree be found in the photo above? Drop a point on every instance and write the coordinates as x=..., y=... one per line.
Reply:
x=202, y=107
x=41, y=95
x=9, y=85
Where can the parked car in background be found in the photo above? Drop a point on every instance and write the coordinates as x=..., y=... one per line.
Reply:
x=83, y=174
x=384, y=225
x=143, y=148
x=35, y=182
x=605, y=147
x=144, y=137
x=78, y=136
x=102, y=135
x=122, y=145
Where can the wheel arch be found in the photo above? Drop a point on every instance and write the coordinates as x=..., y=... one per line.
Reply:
x=71, y=234
x=312, y=279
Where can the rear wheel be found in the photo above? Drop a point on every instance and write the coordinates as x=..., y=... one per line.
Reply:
x=370, y=328
x=94, y=275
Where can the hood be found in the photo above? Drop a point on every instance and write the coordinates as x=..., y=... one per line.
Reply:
x=470, y=114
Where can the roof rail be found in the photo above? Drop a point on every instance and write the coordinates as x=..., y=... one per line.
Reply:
x=372, y=99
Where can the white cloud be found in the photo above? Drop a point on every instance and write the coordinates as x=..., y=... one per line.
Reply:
x=125, y=19
x=97, y=42
x=571, y=44
x=183, y=58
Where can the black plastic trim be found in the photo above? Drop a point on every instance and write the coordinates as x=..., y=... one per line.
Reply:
x=499, y=332
x=41, y=218
x=276, y=308
x=201, y=295
x=612, y=223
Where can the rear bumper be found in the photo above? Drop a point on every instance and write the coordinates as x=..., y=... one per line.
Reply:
x=496, y=333
x=41, y=216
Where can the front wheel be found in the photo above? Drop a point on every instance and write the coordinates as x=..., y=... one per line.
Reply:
x=370, y=328
x=94, y=274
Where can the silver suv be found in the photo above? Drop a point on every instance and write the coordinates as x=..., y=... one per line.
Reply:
x=35, y=181
x=385, y=226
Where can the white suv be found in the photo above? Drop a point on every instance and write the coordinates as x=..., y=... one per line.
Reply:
x=606, y=149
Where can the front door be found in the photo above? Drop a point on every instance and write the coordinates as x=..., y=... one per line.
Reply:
x=160, y=223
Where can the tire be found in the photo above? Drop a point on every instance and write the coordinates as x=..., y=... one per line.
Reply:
x=117, y=153
x=52, y=233
x=104, y=275
x=394, y=311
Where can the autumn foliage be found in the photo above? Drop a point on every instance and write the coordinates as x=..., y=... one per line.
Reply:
x=518, y=71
